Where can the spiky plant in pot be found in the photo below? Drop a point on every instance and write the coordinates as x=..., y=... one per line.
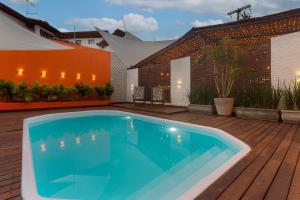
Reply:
x=226, y=60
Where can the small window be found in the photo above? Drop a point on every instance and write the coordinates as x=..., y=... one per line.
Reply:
x=78, y=42
x=91, y=41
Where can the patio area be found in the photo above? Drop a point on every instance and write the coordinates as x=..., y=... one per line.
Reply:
x=270, y=171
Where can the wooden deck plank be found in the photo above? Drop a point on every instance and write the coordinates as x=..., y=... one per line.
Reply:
x=249, y=174
x=262, y=182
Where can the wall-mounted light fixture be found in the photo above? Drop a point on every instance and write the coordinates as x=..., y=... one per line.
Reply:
x=62, y=75
x=179, y=84
x=78, y=76
x=93, y=77
x=298, y=77
x=131, y=87
x=20, y=71
x=43, y=74
x=161, y=74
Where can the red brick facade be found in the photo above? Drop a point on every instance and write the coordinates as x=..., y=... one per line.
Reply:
x=253, y=35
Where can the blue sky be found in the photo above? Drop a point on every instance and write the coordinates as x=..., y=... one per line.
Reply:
x=148, y=19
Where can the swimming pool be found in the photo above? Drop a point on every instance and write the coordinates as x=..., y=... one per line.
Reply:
x=119, y=155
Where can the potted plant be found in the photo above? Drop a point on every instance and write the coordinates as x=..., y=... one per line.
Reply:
x=201, y=100
x=259, y=102
x=225, y=59
x=291, y=97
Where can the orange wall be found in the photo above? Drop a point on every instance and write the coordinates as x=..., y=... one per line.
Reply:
x=86, y=61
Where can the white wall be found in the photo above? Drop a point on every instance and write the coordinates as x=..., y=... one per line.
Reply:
x=180, y=81
x=132, y=80
x=285, y=58
x=85, y=42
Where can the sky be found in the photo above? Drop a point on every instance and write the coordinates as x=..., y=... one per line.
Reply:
x=148, y=19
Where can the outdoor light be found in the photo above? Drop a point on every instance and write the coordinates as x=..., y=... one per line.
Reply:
x=168, y=74
x=78, y=76
x=93, y=137
x=131, y=87
x=93, y=77
x=62, y=75
x=62, y=144
x=298, y=78
x=172, y=129
x=179, y=82
x=78, y=140
x=44, y=73
x=161, y=73
x=43, y=147
x=20, y=71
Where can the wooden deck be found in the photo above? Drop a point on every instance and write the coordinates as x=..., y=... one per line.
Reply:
x=270, y=171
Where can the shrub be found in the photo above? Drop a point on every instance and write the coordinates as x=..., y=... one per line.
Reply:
x=109, y=90
x=202, y=96
x=40, y=92
x=22, y=93
x=288, y=97
x=7, y=90
x=100, y=91
x=226, y=61
x=82, y=90
x=58, y=93
x=297, y=94
x=259, y=97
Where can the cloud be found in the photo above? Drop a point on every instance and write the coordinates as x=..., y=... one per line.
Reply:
x=63, y=30
x=260, y=7
x=135, y=23
x=24, y=1
x=198, y=23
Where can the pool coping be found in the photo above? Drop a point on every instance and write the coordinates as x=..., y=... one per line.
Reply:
x=28, y=184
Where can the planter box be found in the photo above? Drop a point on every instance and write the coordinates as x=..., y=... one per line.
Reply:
x=258, y=113
x=290, y=116
x=207, y=109
x=45, y=105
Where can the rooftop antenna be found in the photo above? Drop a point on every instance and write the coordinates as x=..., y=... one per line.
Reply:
x=241, y=13
x=74, y=33
x=124, y=24
x=28, y=4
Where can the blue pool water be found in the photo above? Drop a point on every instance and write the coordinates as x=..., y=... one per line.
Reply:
x=121, y=156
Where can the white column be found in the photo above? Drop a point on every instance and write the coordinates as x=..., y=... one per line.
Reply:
x=132, y=80
x=285, y=58
x=180, y=81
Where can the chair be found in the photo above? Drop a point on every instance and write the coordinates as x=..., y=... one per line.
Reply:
x=157, y=95
x=138, y=94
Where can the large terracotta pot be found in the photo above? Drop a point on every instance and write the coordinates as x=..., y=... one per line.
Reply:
x=224, y=106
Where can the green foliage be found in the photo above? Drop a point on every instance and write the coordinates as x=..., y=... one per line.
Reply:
x=40, y=92
x=22, y=93
x=226, y=60
x=58, y=93
x=259, y=97
x=202, y=96
x=82, y=90
x=109, y=90
x=7, y=90
x=288, y=97
x=101, y=91
x=297, y=94
x=104, y=92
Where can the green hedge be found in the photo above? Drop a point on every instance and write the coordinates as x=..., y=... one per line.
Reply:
x=22, y=92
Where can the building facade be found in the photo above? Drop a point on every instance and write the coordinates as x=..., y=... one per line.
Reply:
x=252, y=35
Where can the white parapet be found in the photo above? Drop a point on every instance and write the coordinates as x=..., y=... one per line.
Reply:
x=180, y=81
x=132, y=80
x=285, y=58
